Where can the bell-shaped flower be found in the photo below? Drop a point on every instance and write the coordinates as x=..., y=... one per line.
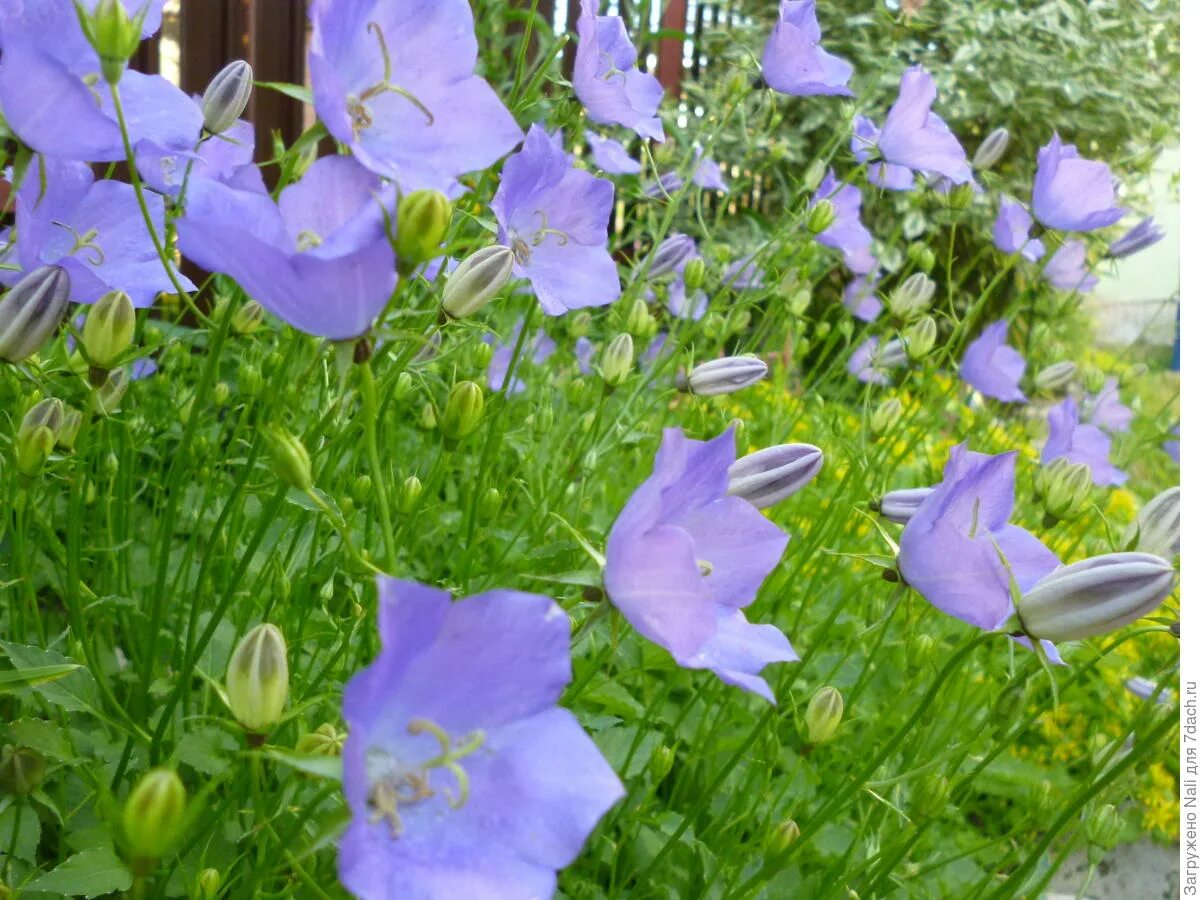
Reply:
x=992, y=367
x=743, y=274
x=1142, y=235
x=960, y=552
x=463, y=776
x=555, y=218
x=793, y=61
x=93, y=229
x=871, y=361
x=610, y=155
x=1067, y=269
x=847, y=233
x=1071, y=193
x=1106, y=410
x=394, y=80
x=537, y=350
x=319, y=259
x=228, y=159
x=606, y=78
x=684, y=558
x=1080, y=443
x=860, y=299
x=1010, y=232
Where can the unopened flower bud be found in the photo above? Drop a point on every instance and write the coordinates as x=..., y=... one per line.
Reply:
x=1102, y=829
x=669, y=255
x=1065, y=488
x=821, y=215
x=106, y=399
x=781, y=836
x=1156, y=529
x=739, y=320
x=476, y=281
x=422, y=220
x=640, y=322
x=226, y=96
x=1093, y=379
x=814, y=175
x=113, y=34
x=1095, y=596
x=427, y=418
x=248, y=317
x=208, y=884
x=249, y=378
x=824, y=715
x=1055, y=377
x=69, y=430
x=694, y=272
x=1144, y=234
x=108, y=329
x=662, y=760
x=31, y=311
x=21, y=770
x=922, y=649
x=921, y=255
x=616, y=361
x=489, y=503
x=290, y=458
x=463, y=412
x=920, y=337
x=773, y=474
x=256, y=681
x=410, y=493
x=37, y=434
x=153, y=818
x=725, y=375
x=327, y=740
x=901, y=505
x=962, y=196
x=990, y=150
x=885, y=416
x=912, y=297
x=929, y=795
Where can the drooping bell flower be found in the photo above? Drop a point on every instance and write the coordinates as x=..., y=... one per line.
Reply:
x=1010, y=232
x=319, y=259
x=793, y=61
x=860, y=299
x=93, y=229
x=870, y=362
x=463, y=776
x=610, y=156
x=992, y=367
x=394, y=80
x=684, y=557
x=537, y=350
x=743, y=274
x=1067, y=269
x=1142, y=235
x=1071, y=193
x=960, y=552
x=228, y=159
x=847, y=233
x=1105, y=409
x=1080, y=443
x=913, y=138
x=555, y=218
x=606, y=78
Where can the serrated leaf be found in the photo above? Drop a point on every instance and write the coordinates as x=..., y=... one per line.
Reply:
x=74, y=691
x=31, y=677
x=87, y=874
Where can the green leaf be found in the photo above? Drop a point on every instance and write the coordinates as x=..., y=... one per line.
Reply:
x=73, y=691
x=87, y=874
x=21, y=678
x=295, y=91
x=28, y=833
x=317, y=765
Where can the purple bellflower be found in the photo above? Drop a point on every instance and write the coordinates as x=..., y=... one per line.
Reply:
x=537, y=349
x=992, y=367
x=959, y=550
x=463, y=776
x=228, y=159
x=555, y=218
x=1171, y=447
x=1010, y=232
x=860, y=299
x=684, y=557
x=1105, y=409
x=584, y=351
x=793, y=61
x=913, y=138
x=707, y=174
x=1080, y=443
x=1071, y=193
x=395, y=81
x=1067, y=269
x=847, y=233
x=93, y=229
x=870, y=362
x=320, y=259
x=743, y=274
x=609, y=156
x=1142, y=235
x=606, y=78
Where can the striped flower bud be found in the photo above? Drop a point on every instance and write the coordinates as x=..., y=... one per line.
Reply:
x=912, y=297
x=108, y=329
x=772, y=475
x=422, y=220
x=290, y=458
x=991, y=150
x=154, y=815
x=248, y=317
x=824, y=715
x=256, y=681
x=463, y=412
x=694, y=271
x=476, y=281
x=670, y=254
x=821, y=215
x=37, y=434
x=1064, y=487
x=919, y=337
x=724, y=375
x=1095, y=596
x=617, y=360
x=1156, y=529
x=1055, y=377
x=31, y=311
x=226, y=96
x=901, y=505
x=885, y=416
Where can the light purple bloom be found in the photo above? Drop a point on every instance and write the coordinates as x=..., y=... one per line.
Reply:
x=610, y=156
x=584, y=351
x=666, y=184
x=1142, y=235
x=1106, y=410
x=655, y=348
x=320, y=259
x=959, y=550
x=707, y=174
x=537, y=349
x=670, y=256
x=555, y=218
x=395, y=81
x=1071, y=193
x=859, y=297
x=743, y=274
x=93, y=229
x=847, y=233
x=464, y=695
x=1171, y=448
x=870, y=361
x=228, y=159
x=684, y=557
x=793, y=61
x=1011, y=231
x=992, y=367
x=1067, y=269
x=1143, y=688
x=685, y=305
x=1080, y=443
x=606, y=78
x=913, y=138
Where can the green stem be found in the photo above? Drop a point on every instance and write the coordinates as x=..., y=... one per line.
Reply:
x=370, y=397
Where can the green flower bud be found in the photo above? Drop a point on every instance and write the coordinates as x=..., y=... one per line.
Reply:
x=248, y=317
x=1093, y=379
x=256, y=681
x=580, y=324
x=112, y=33
x=481, y=355
x=616, y=361
x=799, y=301
x=208, y=885
x=68, y=431
x=21, y=770
x=108, y=329
x=153, y=818
x=814, y=175
x=824, y=715
x=422, y=220
x=739, y=320
x=885, y=416
x=1055, y=377
x=912, y=297
x=1064, y=488
x=1102, y=829
x=106, y=399
x=37, y=434
x=780, y=837
x=990, y=150
x=220, y=393
x=922, y=650
x=31, y=311
x=226, y=96
x=821, y=215
x=489, y=503
x=639, y=321
x=427, y=418
x=822, y=331
x=403, y=387
x=476, y=281
x=463, y=412
x=662, y=760
x=361, y=489
x=694, y=272
x=920, y=337
x=410, y=493
x=289, y=457
x=325, y=741
x=929, y=795
x=1156, y=529
x=1045, y=800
